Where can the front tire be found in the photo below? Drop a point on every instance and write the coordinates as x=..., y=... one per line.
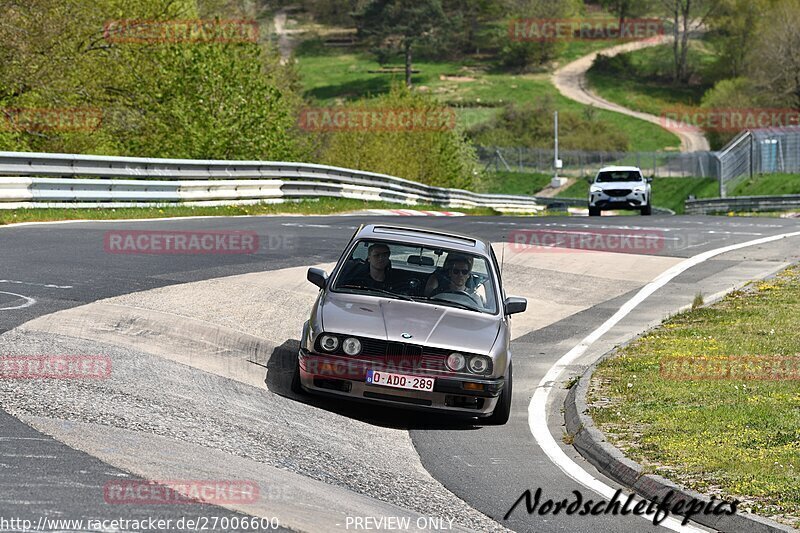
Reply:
x=594, y=211
x=503, y=408
x=647, y=210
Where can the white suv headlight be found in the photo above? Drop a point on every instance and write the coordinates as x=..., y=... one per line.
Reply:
x=595, y=188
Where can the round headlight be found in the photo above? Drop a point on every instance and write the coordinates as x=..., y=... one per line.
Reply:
x=351, y=346
x=478, y=364
x=455, y=361
x=329, y=343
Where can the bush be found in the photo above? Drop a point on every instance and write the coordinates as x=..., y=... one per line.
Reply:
x=531, y=125
x=736, y=93
x=440, y=157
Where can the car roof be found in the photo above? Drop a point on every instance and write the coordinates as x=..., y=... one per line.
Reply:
x=425, y=237
x=615, y=168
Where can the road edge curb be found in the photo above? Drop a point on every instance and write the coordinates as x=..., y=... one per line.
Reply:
x=592, y=445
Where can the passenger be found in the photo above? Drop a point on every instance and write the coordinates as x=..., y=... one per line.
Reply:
x=456, y=275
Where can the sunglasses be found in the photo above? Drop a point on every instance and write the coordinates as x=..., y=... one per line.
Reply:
x=460, y=270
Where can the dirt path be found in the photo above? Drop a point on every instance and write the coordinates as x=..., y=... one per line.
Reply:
x=571, y=81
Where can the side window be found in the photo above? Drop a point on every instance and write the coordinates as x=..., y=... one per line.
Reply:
x=497, y=268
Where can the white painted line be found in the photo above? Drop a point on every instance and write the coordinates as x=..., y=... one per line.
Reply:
x=162, y=219
x=298, y=225
x=29, y=301
x=537, y=409
x=36, y=284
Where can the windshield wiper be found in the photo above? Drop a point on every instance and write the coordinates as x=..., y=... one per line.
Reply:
x=381, y=291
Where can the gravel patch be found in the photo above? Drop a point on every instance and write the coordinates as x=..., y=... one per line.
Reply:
x=151, y=395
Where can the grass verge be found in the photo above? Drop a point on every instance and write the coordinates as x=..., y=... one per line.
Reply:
x=323, y=206
x=737, y=438
x=505, y=182
x=767, y=185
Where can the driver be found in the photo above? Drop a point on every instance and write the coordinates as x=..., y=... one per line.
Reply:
x=377, y=273
x=457, y=272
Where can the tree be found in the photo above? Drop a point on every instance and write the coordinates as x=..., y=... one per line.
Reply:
x=523, y=54
x=686, y=16
x=402, y=23
x=774, y=60
x=437, y=154
x=734, y=24
x=624, y=8
x=185, y=99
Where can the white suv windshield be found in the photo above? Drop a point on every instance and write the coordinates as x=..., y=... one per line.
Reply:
x=618, y=175
x=419, y=273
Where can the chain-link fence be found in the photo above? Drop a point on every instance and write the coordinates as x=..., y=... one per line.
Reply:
x=587, y=163
x=753, y=152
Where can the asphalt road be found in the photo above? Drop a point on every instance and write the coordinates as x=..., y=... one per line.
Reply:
x=50, y=267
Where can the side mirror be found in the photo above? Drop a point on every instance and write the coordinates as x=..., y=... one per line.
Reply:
x=649, y=180
x=515, y=304
x=589, y=179
x=318, y=277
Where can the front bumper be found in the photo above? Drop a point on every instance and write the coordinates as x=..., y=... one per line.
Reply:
x=345, y=377
x=631, y=201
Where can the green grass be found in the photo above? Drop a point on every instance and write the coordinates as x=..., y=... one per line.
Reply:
x=667, y=192
x=735, y=436
x=646, y=86
x=767, y=185
x=513, y=183
x=323, y=206
x=329, y=79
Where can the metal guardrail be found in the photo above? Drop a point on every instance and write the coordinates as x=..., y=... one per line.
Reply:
x=67, y=180
x=742, y=204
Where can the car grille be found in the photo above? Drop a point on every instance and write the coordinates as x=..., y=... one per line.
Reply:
x=617, y=192
x=396, y=355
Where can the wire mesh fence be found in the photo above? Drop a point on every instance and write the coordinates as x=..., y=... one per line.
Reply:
x=587, y=163
x=754, y=152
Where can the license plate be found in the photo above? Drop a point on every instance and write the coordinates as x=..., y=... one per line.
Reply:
x=399, y=381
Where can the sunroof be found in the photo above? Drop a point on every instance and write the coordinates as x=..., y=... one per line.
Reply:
x=429, y=234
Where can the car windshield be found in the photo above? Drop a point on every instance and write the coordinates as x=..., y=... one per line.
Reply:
x=419, y=273
x=618, y=175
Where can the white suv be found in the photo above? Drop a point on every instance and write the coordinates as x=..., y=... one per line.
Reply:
x=619, y=188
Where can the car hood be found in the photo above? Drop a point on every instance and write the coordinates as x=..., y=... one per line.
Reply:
x=619, y=184
x=430, y=325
